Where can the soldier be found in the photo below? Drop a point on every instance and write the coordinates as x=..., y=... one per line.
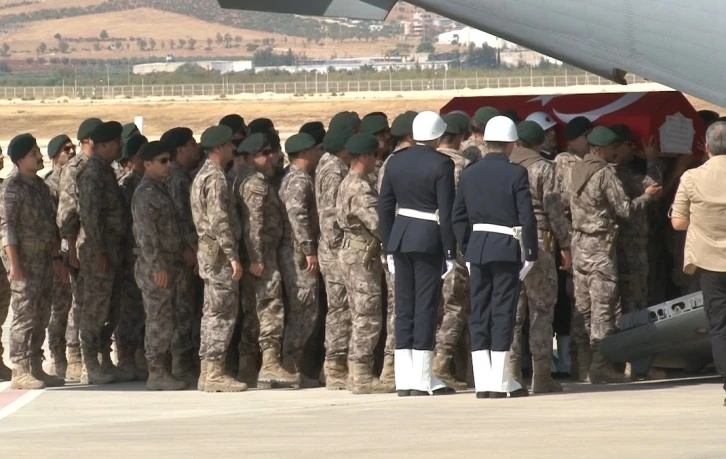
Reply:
x=5, y=372
x=377, y=125
x=262, y=125
x=454, y=304
x=218, y=227
x=345, y=119
x=315, y=129
x=475, y=147
x=329, y=174
x=187, y=310
x=549, y=146
x=69, y=224
x=237, y=124
x=120, y=167
x=538, y=294
x=299, y=250
x=497, y=235
x=60, y=151
x=31, y=254
x=597, y=199
x=160, y=239
x=360, y=260
x=576, y=132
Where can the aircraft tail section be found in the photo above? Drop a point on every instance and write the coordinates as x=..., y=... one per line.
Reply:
x=356, y=9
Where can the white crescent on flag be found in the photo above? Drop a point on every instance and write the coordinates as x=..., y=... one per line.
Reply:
x=612, y=107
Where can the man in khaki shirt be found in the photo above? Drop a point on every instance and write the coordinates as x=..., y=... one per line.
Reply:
x=700, y=208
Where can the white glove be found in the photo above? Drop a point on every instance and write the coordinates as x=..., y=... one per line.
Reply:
x=525, y=269
x=449, y=268
x=391, y=265
x=468, y=267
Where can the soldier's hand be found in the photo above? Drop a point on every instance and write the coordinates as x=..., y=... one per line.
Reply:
x=649, y=149
x=566, y=259
x=16, y=272
x=102, y=263
x=654, y=190
x=256, y=269
x=161, y=279
x=190, y=256
x=312, y=264
x=236, y=270
x=73, y=256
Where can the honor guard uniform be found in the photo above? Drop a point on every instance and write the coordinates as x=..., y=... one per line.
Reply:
x=420, y=181
x=497, y=235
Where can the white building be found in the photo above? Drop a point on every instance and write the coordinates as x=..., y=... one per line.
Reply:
x=223, y=67
x=470, y=35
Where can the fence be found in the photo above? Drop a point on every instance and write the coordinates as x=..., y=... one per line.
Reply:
x=317, y=86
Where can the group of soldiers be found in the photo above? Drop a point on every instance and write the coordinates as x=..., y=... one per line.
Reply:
x=177, y=250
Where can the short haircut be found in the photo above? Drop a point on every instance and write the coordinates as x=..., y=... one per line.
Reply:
x=449, y=137
x=497, y=146
x=716, y=138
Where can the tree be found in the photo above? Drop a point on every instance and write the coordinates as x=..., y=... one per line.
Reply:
x=209, y=43
x=182, y=43
x=42, y=48
x=63, y=46
x=163, y=44
x=5, y=68
x=41, y=60
x=228, y=40
x=58, y=37
x=252, y=47
x=425, y=47
x=142, y=44
x=65, y=61
x=238, y=39
x=104, y=35
x=152, y=44
x=404, y=48
x=172, y=43
x=97, y=46
x=220, y=38
x=29, y=61
x=192, y=43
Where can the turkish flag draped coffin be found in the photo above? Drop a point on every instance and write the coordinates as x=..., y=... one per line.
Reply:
x=667, y=116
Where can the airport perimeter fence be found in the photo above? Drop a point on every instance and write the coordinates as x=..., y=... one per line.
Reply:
x=311, y=86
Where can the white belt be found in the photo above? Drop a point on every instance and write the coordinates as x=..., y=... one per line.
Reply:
x=430, y=216
x=515, y=232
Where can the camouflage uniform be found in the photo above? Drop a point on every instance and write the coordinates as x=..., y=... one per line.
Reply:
x=218, y=225
x=328, y=176
x=390, y=347
x=563, y=165
x=632, y=242
x=473, y=149
x=300, y=238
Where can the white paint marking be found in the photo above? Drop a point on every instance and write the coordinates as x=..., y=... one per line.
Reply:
x=20, y=402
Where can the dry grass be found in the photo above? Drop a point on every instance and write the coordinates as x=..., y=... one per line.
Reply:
x=44, y=5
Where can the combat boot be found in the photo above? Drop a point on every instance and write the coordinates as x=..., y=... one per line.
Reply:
x=584, y=362
x=442, y=370
x=247, y=370
x=363, y=380
x=120, y=374
x=202, y=375
x=92, y=372
x=6, y=374
x=388, y=375
x=218, y=381
x=36, y=369
x=22, y=378
x=160, y=379
x=59, y=363
x=336, y=374
x=601, y=372
x=654, y=374
x=126, y=367
x=515, y=369
x=182, y=368
x=75, y=364
x=542, y=382
x=272, y=375
x=291, y=365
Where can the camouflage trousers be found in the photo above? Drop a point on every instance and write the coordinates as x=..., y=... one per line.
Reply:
x=337, y=320
x=454, y=309
x=632, y=254
x=73, y=328
x=62, y=299
x=390, y=347
x=185, y=311
x=221, y=307
x=31, y=304
x=158, y=306
x=596, y=287
x=129, y=331
x=302, y=297
x=5, y=295
x=537, y=299
x=363, y=285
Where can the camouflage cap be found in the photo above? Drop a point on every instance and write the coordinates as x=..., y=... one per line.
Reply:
x=373, y=124
x=530, y=132
x=454, y=124
x=86, y=128
x=403, y=124
x=153, y=149
x=129, y=129
x=260, y=125
x=299, y=142
x=177, y=137
x=576, y=127
x=316, y=129
x=132, y=145
x=335, y=139
x=622, y=131
x=362, y=144
x=483, y=115
x=233, y=121
x=107, y=132
x=602, y=137
x=216, y=136
x=20, y=146
x=56, y=143
x=254, y=143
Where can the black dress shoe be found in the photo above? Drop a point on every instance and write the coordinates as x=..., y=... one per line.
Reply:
x=444, y=391
x=482, y=394
x=497, y=395
x=560, y=375
x=419, y=393
x=519, y=393
x=403, y=393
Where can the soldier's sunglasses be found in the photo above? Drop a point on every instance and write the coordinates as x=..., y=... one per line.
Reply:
x=163, y=160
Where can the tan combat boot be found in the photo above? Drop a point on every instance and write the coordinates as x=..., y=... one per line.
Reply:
x=120, y=374
x=442, y=370
x=75, y=364
x=291, y=365
x=182, y=368
x=247, y=370
x=92, y=372
x=36, y=369
x=601, y=372
x=542, y=382
x=22, y=378
x=126, y=366
x=218, y=381
x=363, y=380
x=6, y=374
x=160, y=379
x=272, y=375
x=387, y=379
x=59, y=363
x=202, y=375
x=584, y=362
x=336, y=374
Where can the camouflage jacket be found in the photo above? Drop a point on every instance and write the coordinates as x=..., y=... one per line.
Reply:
x=128, y=185
x=563, y=165
x=156, y=226
x=214, y=209
x=27, y=213
x=634, y=184
x=179, y=184
x=53, y=182
x=356, y=206
x=473, y=149
x=297, y=193
x=328, y=177
x=460, y=162
x=68, y=218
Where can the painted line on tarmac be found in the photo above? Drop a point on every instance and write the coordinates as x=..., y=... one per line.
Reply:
x=12, y=401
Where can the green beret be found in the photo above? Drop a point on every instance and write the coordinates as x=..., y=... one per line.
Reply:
x=335, y=139
x=453, y=124
x=260, y=125
x=373, y=124
x=602, y=137
x=316, y=129
x=623, y=132
x=128, y=131
x=376, y=114
x=56, y=143
x=577, y=127
x=20, y=146
x=463, y=119
x=403, y=124
x=343, y=119
x=511, y=114
x=177, y=137
x=153, y=149
x=234, y=122
x=483, y=115
x=530, y=132
x=216, y=136
x=107, y=132
x=273, y=139
x=254, y=143
x=132, y=145
x=299, y=142
x=86, y=128
x=362, y=144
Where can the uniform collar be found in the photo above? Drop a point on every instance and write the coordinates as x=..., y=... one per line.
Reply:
x=496, y=156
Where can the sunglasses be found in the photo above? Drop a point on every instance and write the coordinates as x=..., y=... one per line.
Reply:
x=69, y=148
x=266, y=152
x=163, y=160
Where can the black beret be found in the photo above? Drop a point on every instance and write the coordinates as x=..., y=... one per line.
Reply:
x=20, y=146
x=623, y=132
x=177, y=137
x=132, y=145
x=483, y=115
x=107, y=132
x=274, y=139
x=335, y=139
x=577, y=127
x=299, y=142
x=153, y=149
x=362, y=144
x=602, y=137
x=234, y=122
x=454, y=124
x=216, y=136
x=56, y=143
x=708, y=116
x=373, y=124
x=530, y=132
x=128, y=131
x=260, y=125
x=86, y=128
x=316, y=129
x=254, y=143
x=403, y=124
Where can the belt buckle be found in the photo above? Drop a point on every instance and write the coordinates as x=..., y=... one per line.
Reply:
x=437, y=216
